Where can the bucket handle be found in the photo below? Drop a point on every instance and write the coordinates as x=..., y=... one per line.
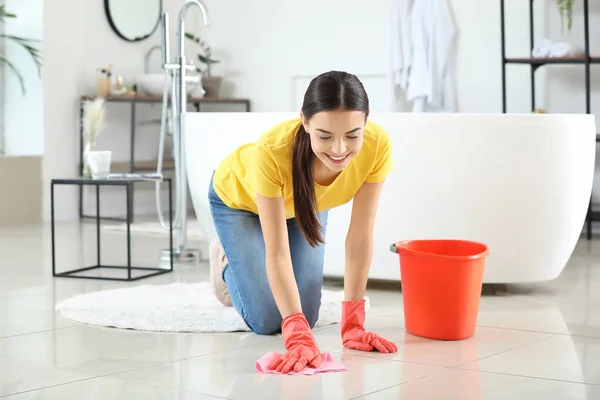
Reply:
x=393, y=248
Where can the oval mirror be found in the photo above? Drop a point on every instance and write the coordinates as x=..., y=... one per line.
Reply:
x=133, y=20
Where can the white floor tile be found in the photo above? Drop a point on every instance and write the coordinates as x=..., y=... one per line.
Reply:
x=485, y=342
x=100, y=351
x=232, y=375
x=560, y=357
x=19, y=376
x=470, y=385
x=107, y=389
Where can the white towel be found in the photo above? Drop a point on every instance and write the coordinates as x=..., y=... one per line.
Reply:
x=562, y=49
x=541, y=49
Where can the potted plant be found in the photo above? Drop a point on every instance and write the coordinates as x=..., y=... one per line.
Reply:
x=565, y=9
x=210, y=83
x=27, y=44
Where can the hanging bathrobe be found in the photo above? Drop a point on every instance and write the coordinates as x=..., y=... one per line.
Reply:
x=401, y=47
x=430, y=83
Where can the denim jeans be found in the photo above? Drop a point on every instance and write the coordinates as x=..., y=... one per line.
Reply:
x=245, y=274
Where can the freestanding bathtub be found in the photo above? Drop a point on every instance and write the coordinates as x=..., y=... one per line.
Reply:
x=520, y=183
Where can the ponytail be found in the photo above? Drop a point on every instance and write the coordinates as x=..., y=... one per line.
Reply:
x=305, y=201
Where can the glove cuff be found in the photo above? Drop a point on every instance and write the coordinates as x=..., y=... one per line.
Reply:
x=295, y=329
x=353, y=314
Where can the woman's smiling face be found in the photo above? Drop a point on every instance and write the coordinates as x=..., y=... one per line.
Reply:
x=336, y=136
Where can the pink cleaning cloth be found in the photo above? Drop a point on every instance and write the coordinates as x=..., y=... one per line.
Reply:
x=328, y=365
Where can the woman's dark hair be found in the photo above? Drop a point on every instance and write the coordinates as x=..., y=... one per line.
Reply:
x=334, y=90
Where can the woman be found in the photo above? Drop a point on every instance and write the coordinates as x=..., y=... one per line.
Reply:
x=269, y=203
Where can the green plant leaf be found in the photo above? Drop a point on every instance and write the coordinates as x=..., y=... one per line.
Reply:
x=565, y=10
x=35, y=53
x=207, y=60
x=4, y=14
x=192, y=37
x=16, y=71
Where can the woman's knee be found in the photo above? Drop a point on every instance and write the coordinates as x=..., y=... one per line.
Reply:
x=265, y=324
x=310, y=289
x=311, y=312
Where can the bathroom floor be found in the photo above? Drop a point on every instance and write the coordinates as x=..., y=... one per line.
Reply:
x=533, y=341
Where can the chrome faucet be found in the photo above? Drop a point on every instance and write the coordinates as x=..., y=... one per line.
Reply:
x=178, y=70
x=147, y=57
x=182, y=107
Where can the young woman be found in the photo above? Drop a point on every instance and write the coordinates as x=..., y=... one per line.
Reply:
x=269, y=202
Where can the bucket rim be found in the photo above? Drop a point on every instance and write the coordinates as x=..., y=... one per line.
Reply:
x=394, y=248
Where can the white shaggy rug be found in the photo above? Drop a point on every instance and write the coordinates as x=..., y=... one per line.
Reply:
x=175, y=307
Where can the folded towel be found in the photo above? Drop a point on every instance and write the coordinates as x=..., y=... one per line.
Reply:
x=562, y=49
x=328, y=365
x=541, y=49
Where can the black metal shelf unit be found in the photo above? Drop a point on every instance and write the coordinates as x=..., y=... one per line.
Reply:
x=132, y=165
x=586, y=60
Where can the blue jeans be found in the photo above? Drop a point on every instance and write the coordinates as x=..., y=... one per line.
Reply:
x=245, y=274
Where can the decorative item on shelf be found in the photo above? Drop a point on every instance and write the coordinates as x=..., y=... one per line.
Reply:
x=98, y=163
x=540, y=111
x=103, y=82
x=119, y=88
x=93, y=123
x=131, y=90
x=210, y=83
x=28, y=44
x=565, y=9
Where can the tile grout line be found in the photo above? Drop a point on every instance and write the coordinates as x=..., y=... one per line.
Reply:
x=102, y=377
x=527, y=376
x=517, y=330
x=444, y=369
x=503, y=328
x=504, y=351
x=567, y=333
x=111, y=375
x=36, y=332
x=390, y=359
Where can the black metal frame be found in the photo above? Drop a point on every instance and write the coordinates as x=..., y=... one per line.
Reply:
x=586, y=60
x=129, y=188
x=132, y=169
x=118, y=32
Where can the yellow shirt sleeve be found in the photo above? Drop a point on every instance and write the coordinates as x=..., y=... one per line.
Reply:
x=263, y=174
x=383, y=160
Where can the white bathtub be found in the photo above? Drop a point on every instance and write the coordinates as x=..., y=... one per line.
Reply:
x=519, y=183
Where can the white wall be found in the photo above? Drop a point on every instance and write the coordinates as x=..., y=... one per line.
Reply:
x=23, y=114
x=313, y=36
x=269, y=51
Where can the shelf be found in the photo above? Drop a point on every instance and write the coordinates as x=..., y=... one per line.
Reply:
x=150, y=165
x=555, y=60
x=142, y=98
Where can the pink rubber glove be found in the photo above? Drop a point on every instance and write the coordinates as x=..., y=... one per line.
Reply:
x=300, y=344
x=354, y=335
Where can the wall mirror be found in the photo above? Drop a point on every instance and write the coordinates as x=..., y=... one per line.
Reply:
x=133, y=20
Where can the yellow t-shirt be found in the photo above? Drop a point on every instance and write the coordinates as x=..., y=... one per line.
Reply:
x=265, y=167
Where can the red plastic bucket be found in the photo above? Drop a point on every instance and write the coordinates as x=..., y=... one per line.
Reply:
x=441, y=286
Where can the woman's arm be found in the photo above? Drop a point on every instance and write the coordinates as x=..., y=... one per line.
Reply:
x=359, y=241
x=280, y=272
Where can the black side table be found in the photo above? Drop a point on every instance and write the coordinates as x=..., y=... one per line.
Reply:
x=128, y=183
